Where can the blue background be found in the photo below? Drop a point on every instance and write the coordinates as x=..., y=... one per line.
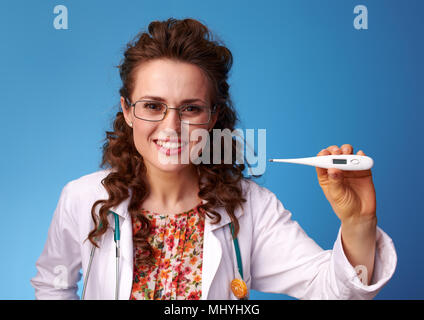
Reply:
x=301, y=71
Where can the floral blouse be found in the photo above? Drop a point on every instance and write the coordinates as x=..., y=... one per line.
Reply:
x=177, y=243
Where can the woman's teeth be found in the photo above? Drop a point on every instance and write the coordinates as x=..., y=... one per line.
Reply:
x=169, y=145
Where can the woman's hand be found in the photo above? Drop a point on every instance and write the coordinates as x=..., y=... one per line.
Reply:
x=352, y=197
x=350, y=193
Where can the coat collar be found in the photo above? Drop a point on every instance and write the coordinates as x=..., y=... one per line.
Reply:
x=122, y=211
x=225, y=218
x=122, y=208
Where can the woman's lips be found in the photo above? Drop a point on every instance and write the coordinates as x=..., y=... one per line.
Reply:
x=168, y=150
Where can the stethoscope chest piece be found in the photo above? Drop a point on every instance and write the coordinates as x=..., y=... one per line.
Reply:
x=239, y=288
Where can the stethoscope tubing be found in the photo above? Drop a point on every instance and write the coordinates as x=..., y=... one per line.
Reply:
x=88, y=273
x=117, y=238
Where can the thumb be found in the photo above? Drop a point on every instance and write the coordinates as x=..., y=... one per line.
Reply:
x=336, y=186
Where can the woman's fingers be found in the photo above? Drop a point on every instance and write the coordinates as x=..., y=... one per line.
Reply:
x=334, y=150
x=361, y=153
x=347, y=149
x=324, y=152
x=322, y=173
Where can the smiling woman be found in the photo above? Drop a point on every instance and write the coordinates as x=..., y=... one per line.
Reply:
x=197, y=230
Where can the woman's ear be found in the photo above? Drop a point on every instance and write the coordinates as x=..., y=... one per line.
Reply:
x=126, y=110
x=124, y=105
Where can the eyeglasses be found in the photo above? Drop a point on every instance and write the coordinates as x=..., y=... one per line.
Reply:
x=150, y=110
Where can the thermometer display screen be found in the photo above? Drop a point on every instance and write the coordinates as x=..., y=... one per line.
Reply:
x=339, y=161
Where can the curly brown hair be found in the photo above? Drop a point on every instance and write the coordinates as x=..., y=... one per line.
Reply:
x=187, y=41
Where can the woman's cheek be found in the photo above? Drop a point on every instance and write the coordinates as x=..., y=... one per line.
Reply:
x=197, y=147
x=142, y=143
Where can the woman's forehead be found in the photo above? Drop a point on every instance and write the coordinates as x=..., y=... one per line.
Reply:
x=170, y=80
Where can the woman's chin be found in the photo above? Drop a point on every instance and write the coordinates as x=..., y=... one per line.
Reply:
x=171, y=167
x=168, y=160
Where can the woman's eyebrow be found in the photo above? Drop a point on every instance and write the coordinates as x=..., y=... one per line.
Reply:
x=164, y=100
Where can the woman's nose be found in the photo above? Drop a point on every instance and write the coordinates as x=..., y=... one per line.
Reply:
x=172, y=118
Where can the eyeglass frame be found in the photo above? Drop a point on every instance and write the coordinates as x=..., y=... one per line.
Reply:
x=212, y=110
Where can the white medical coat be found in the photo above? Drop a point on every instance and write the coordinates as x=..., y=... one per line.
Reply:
x=277, y=254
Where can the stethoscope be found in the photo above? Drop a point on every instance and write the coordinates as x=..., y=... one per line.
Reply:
x=238, y=286
x=117, y=238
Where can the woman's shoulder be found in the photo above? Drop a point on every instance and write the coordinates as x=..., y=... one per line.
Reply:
x=79, y=195
x=252, y=189
x=259, y=199
x=90, y=183
x=262, y=207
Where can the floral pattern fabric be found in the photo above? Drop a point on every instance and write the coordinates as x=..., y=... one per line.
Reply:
x=177, y=242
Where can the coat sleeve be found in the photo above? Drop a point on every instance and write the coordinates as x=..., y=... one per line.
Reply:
x=58, y=267
x=285, y=260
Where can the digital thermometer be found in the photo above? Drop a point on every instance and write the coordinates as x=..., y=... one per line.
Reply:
x=347, y=162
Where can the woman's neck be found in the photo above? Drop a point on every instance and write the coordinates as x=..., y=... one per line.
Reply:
x=175, y=191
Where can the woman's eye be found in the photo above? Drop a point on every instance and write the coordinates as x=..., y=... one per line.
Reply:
x=191, y=109
x=153, y=106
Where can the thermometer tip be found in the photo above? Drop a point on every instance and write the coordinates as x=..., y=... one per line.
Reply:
x=271, y=160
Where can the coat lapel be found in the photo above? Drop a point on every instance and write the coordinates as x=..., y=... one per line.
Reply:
x=106, y=269
x=212, y=253
x=212, y=249
x=107, y=254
